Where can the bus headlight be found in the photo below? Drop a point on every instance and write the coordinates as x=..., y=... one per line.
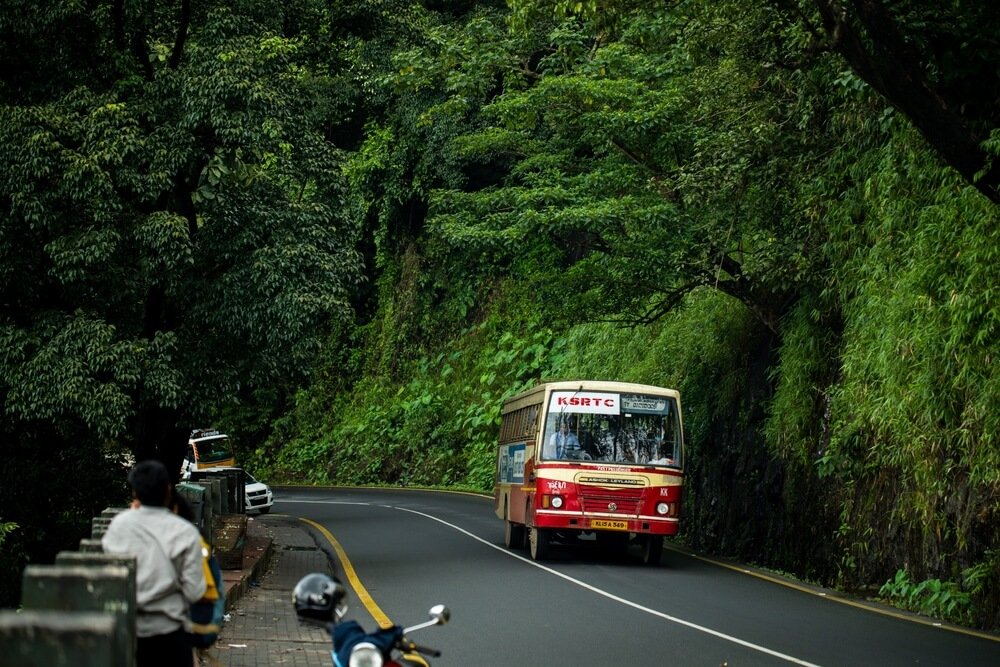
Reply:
x=663, y=508
x=365, y=654
x=557, y=502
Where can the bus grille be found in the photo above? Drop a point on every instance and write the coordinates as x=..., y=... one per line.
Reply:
x=600, y=502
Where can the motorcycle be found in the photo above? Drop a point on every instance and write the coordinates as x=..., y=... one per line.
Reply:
x=321, y=600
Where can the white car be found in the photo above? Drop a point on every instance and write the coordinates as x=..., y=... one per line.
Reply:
x=258, y=495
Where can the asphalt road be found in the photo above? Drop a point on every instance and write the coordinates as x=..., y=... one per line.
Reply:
x=411, y=549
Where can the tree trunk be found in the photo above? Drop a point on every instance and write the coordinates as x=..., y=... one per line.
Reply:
x=158, y=435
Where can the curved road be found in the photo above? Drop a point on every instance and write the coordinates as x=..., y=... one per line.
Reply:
x=411, y=549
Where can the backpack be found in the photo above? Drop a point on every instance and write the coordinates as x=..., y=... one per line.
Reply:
x=207, y=613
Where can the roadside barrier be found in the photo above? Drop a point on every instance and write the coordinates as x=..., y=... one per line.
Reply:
x=81, y=610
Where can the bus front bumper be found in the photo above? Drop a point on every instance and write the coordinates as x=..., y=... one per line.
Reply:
x=649, y=525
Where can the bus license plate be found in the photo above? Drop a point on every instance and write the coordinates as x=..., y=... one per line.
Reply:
x=605, y=524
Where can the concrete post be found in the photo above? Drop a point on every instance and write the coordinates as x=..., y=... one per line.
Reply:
x=215, y=487
x=197, y=496
x=90, y=559
x=83, y=559
x=230, y=491
x=225, y=487
x=99, y=526
x=90, y=545
x=58, y=639
x=237, y=490
x=208, y=520
x=106, y=588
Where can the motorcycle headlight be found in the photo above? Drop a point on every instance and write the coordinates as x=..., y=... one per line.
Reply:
x=365, y=654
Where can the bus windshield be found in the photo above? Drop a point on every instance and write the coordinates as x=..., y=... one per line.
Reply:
x=619, y=428
x=213, y=450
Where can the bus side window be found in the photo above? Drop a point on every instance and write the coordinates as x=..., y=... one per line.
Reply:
x=190, y=454
x=532, y=429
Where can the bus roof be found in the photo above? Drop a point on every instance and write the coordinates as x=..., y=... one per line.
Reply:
x=200, y=433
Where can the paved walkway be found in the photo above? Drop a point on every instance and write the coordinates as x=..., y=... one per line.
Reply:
x=262, y=628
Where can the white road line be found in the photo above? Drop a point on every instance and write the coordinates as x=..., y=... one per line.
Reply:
x=583, y=584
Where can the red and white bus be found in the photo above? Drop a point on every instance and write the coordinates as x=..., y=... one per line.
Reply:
x=590, y=458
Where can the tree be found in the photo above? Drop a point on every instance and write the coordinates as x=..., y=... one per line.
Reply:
x=172, y=230
x=932, y=61
x=651, y=154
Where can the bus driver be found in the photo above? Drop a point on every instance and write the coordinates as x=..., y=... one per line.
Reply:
x=564, y=443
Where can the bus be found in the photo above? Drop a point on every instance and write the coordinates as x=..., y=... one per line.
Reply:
x=590, y=460
x=208, y=448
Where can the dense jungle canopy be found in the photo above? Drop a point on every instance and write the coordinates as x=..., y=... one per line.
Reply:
x=345, y=231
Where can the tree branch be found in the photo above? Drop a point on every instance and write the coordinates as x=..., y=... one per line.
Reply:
x=183, y=24
x=882, y=57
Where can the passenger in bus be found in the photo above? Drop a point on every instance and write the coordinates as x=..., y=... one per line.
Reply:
x=663, y=453
x=621, y=446
x=626, y=454
x=564, y=443
x=588, y=446
x=649, y=445
x=606, y=444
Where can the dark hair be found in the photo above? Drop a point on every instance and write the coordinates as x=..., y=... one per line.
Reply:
x=150, y=482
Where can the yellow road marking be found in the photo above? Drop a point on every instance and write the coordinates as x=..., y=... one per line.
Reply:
x=366, y=599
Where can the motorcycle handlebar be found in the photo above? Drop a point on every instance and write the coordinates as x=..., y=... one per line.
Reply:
x=424, y=650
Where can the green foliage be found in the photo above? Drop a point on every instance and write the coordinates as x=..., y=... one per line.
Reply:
x=804, y=374
x=914, y=411
x=53, y=510
x=13, y=557
x=155, y=220
x=946, y=600
x=6, y=528
x=438, y=425
x=651, y=157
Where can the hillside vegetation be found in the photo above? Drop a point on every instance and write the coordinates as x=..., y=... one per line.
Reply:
x=346, y=232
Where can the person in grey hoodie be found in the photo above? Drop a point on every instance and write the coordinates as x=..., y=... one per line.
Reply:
x=169, y=572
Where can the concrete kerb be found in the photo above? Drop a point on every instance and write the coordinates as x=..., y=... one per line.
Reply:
x=258, y=549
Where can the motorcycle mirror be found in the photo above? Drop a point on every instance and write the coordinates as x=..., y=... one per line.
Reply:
x=440, y=614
